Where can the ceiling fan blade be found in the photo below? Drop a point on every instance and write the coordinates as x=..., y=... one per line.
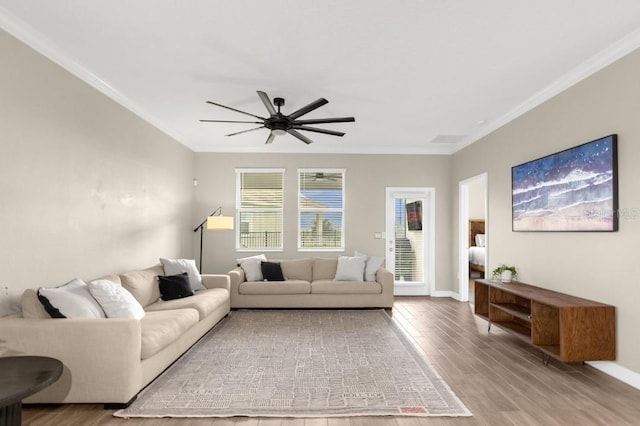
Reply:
x=245, y=131
x=270, y=138
x=236, y=110
x=230, y=121
x=315, y=129
x=300, y=136
x=267, y=103
x=325, y=120
x=307, y=109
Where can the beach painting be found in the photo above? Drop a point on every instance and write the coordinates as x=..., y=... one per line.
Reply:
x=572, y=190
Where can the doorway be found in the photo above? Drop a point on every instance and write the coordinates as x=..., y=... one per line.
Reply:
x=473, y=209
x=410, y=238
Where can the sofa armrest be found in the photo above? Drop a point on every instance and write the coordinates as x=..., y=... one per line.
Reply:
x=236, y=277
x=93, y=351
x=385, y=278
x=216, y=281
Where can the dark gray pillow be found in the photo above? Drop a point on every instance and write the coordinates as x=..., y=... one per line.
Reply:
x=272, y=271
x=175, y=286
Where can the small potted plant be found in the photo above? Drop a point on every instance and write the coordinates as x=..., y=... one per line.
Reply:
x=505, y=273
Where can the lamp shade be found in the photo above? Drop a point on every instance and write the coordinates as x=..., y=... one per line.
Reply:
x=220, y=222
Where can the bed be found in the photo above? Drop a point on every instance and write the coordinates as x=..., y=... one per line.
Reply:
x=477, y=246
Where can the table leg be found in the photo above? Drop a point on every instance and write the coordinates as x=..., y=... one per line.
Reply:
x=11, y=415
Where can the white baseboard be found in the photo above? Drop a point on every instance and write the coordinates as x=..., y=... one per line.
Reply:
x=450, y=294
x=619, y=372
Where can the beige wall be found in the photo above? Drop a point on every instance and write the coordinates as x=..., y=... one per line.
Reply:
x=598, y=266
x=366, y=178
x=86, y=187
x=476, y=199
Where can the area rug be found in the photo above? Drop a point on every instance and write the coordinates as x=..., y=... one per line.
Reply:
x=300, y=363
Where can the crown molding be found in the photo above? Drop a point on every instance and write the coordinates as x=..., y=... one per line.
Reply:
x=38, y=42
x=621, y=48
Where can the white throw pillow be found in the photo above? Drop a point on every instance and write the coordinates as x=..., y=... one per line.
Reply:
x=481, y=240
x=71, y=300
x=350, y=268
x=179, y=266
x=252, y=267
x=372, y=265
x=115, y=300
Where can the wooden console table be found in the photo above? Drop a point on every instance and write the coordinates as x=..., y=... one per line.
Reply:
x=564, y=327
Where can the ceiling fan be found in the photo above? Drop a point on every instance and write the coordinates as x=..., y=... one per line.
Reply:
x=280, y=124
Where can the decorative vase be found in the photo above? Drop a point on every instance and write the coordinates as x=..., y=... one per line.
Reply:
x=506, y=276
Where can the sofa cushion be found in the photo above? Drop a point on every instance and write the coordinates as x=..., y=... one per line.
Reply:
x=297, y=269
x=161, y=328
x=143, y=284
x=324, y=268
x=113, y=278
x=345, y=287
x=175, y=286
x=31, y=306
x=205, y=302
x=275, y=287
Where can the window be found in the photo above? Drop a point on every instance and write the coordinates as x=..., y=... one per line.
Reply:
x=259, y=209
x=321, y=209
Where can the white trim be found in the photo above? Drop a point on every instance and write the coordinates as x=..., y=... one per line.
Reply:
x=621, y=373
x=260, y=170
x=622, y=47
x=38, y=42
x=446, y=293
x=463, y=232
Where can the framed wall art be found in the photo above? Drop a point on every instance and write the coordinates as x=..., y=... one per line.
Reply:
x=571, y=190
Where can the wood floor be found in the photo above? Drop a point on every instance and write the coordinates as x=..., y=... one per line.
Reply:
x=499, y=378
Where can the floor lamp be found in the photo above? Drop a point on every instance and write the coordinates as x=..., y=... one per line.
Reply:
x=215, y=221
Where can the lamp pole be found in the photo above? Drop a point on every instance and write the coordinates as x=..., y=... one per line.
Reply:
x=200, y=227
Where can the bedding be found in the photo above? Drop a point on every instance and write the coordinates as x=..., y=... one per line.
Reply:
x=477, y=255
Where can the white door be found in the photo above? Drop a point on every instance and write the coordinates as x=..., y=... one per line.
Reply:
x=410, y=239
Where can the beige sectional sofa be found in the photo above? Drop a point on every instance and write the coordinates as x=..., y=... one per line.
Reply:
x=110, y=360
x=309, y=283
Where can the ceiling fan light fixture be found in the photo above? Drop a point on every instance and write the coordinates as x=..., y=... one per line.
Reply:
x=280, y=124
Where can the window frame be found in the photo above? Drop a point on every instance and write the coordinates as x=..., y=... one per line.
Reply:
x=239, y=172
x=302, y=210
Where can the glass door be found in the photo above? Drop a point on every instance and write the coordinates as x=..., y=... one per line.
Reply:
x=409, y=239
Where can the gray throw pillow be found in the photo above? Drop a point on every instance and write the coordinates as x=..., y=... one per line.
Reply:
x=252, y=267
x=372, y=265
x=178, y=266
x=350, y=268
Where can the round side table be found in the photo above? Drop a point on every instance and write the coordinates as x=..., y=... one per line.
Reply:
x=21, y=376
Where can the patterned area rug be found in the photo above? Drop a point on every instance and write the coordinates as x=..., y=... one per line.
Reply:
x=299, y=363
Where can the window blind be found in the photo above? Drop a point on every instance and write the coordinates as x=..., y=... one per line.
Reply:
x=321, y=209
x=259, y=209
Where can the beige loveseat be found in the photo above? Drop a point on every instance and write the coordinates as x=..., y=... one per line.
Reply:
x=309, y=283
x=110, y=360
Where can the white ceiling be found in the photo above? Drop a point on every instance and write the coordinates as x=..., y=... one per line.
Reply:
x=425, y=76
